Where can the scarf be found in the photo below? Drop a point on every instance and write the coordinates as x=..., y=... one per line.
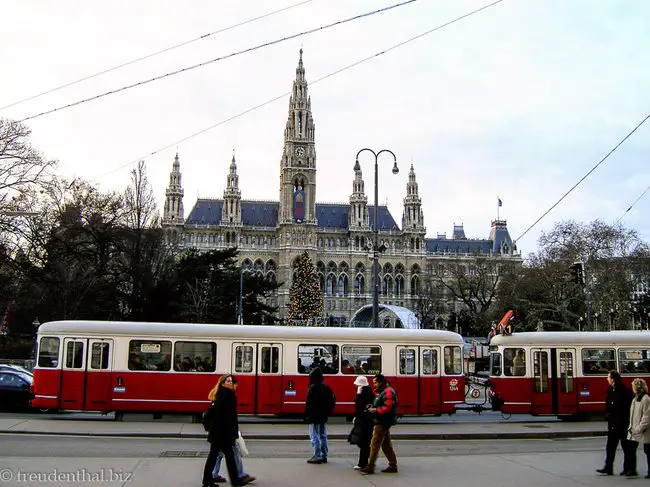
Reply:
x=639, y=395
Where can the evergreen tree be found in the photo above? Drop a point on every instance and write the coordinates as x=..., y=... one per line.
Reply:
x=305, y=295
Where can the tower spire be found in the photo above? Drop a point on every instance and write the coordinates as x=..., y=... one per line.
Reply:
x=173, y=212
x=412, y=218
x=231, y=210
x=358, y=218
x=298, y=164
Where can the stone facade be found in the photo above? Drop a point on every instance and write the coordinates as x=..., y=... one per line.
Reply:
x=339, y=237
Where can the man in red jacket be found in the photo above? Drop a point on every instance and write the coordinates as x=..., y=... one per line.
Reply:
x=384, y=411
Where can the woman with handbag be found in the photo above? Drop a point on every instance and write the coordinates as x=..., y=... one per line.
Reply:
x=363, y=422
x=223, y=430
x=639, y=429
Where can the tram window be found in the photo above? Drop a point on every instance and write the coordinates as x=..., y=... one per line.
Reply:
x=453, y=360
x=193, y=357
x=360, y=359
x=243, y=359
x=598, y=361
x=514, y=362
x=407, y=361
x=270, y=357
x=48, y=352
x=540, y=371
x=566, y=371
x=99, y=354
x=150, y=355
x=74, y=355
x=429, y=361
x=495, y=364
x=326, y=357
x=634, y=361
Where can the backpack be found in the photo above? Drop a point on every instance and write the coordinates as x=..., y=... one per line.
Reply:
x=206, y=419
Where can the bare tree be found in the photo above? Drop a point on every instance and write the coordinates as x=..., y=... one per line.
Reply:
x=20, y=164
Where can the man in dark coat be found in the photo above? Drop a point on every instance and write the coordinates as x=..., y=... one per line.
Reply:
x=319, y=405
x=223, y=430
x=617, y=406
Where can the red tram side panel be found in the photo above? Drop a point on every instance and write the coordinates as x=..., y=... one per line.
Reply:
x=129, y=367
x=563, y=373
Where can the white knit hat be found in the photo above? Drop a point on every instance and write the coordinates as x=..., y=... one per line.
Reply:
x=361, y=381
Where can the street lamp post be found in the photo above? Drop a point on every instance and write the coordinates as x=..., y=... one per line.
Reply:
x=240, y=312
x=375, y=247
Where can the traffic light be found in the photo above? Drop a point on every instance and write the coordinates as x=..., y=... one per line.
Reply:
x=577, y=271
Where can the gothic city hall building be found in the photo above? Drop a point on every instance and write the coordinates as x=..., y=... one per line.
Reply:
x=339, y=237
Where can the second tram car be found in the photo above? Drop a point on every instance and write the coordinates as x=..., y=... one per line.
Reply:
x=563, y=373
x=167, y=367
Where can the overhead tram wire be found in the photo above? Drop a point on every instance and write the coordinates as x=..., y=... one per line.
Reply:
x=221, y=58
x=128, y=63
x=585, y=177
x=632, y=205
x=311, y=83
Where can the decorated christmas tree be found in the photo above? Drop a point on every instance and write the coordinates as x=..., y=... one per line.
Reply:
x=305, y=295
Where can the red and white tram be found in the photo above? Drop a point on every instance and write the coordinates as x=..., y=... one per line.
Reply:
x=563, y=373
x=167, y=367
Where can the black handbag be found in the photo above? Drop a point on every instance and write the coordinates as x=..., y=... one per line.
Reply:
x=354, y=438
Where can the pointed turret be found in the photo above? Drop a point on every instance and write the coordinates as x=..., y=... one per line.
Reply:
x=231, y=210
x=173, y=213
x=412, y=218
x=358, y=219
x=298, y=165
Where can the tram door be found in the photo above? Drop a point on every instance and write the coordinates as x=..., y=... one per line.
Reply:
x=98, y=378
x=73, y=376
x=565, y=399
x=542, y=400
x=430, y=382
x=269, y=378
x=406, y=384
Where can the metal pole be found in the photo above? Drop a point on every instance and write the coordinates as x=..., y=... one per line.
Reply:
x=375, y=254
x=240, y=318
x=375, y=251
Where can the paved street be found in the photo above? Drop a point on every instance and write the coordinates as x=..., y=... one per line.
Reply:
x=178, y=462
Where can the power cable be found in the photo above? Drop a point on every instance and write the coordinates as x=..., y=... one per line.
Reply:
x=632, y=205
x=128, y=63
x=237, y=53
x=585, y=176
x=283, y=95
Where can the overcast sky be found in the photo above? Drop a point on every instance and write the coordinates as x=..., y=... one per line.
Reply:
x=518, y=101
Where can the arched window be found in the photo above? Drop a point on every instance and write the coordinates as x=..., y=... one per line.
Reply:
x=415, y=285
x=387, y=286
x=399, y=286
x=329, y=287
x=343, y=285
x=360, y=284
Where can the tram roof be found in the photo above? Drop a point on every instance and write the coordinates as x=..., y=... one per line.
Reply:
x=251, y=332
x=569, y=338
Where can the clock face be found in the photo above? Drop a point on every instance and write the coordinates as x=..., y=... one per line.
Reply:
x=300, y=151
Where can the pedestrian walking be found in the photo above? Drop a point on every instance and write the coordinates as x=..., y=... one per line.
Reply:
x=223, y=430
x=384, y=411
x=638, y=431
x=363, y=420
x=318, y=406
x=617, y=407
x=239, y=452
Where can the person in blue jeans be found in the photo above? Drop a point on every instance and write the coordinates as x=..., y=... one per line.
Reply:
x=318, y=406
x=218, y=478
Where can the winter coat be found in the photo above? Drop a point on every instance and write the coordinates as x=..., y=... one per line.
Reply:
x=224, y=425
x=362, y=418
x=617, y=407
x=640, y=419
x=386, y=404
x=320, y=399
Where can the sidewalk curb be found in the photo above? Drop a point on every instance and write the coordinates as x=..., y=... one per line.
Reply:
x=303, y=437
